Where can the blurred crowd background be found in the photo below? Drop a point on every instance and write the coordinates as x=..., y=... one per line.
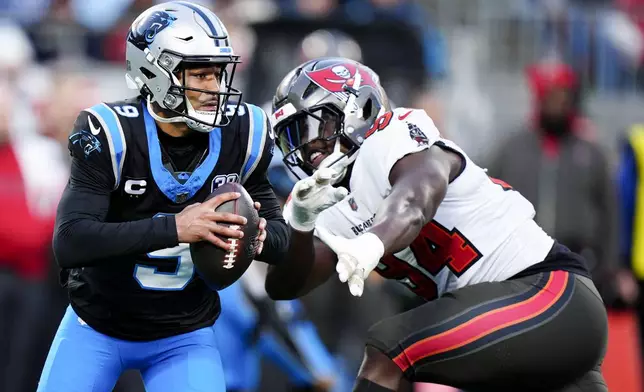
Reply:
x=547, y=94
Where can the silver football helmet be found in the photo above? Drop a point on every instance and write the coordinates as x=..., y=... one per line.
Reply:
x=162, y=41
x=322, y=103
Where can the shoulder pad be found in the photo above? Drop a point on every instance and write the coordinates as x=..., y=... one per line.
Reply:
x=394, y=135
x=402, y=125
x=108, y=122
x=259, y=133
x=402, y=118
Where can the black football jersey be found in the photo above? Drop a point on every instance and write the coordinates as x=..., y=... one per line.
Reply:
x=156, y=294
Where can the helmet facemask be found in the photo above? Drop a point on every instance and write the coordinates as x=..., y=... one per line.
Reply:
x=312, y=137
x=326, y=130
x=177, y=102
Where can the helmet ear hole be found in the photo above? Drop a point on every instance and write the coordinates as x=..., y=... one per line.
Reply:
x=147, y=73
x=310, y=89
x=367, y=109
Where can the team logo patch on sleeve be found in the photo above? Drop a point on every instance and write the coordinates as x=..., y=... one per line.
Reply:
x=88, y=142
x=417, y=135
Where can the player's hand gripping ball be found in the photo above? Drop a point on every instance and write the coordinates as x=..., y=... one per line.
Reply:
x=220, y=267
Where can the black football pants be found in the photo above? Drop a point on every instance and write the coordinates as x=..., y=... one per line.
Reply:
x=543, y=332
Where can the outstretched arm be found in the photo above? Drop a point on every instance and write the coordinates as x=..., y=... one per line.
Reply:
x=419, y=183
x=408, y=160
x=309, y=262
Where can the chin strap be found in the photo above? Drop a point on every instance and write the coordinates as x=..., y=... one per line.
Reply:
x=162, y=119
x=192, y=124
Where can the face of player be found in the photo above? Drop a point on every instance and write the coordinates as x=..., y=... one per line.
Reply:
x=202, y=78
x=314, y=151
x=312, y=135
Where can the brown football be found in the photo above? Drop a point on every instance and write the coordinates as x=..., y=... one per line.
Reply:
x=221, y=268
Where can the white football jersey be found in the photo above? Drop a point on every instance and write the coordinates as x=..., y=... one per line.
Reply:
x=483, y=230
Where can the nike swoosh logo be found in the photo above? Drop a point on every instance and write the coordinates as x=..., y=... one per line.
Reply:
x=404, y=116
x=95, y=130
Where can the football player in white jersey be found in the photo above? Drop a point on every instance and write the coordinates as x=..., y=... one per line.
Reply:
x=509, y=308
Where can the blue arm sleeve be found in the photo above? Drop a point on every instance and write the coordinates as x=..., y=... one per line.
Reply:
x=627, y=185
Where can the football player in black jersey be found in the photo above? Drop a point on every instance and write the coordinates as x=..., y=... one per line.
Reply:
x=140, y=168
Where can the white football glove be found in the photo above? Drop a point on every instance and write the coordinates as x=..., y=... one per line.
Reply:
x=357, y=257
x=310, y=197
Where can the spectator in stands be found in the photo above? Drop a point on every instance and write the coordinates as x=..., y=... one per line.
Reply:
x=318, y=9
x=631, y=202
x=554, y=163
x=24, y=12
x=411, y=13
x=30, y=181
x=370, y=11
x=72, y=93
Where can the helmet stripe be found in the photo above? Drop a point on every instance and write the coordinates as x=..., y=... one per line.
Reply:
x=213, y=30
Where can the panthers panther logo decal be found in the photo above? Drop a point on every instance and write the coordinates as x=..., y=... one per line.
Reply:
x=88, y=142
x=145, y=30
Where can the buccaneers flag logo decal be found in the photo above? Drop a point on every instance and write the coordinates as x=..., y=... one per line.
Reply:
x=333, y=78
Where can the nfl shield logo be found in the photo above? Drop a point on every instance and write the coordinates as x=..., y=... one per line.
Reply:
x=353, y=204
